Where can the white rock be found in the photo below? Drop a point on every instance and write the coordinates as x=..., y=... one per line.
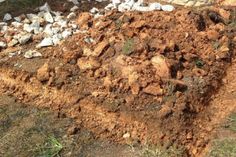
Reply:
x=56, y=30
x=13, y=42
x=97, y=15
x=66, y=33
x=126, y=135
x=4, y=29
x=16, y=24
x=28, y=28
x=154, y=6
x=75, y=2
x=2, y=44
x=56, y=39
x=89, y=40
x=24, y=38
x=116, y=3
x=94, y=10
x=45, y=8
x=74, y=8
x=45, y=42
x=109, y=7
x=32, y=54
x=48, y=30
x=31, y=17
x=26, y=21
x=99, y=1
x=18, y=19
x=2, y=1
x=3, y=24
x=48, y=17
x=7, y=17
x=56, y=13
x=36, y=26
x=71, y=15
x=167, y=8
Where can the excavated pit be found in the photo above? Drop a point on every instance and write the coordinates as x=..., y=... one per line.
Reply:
x=138, y=76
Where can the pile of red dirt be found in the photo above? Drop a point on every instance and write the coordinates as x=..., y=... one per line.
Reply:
x=130, y=76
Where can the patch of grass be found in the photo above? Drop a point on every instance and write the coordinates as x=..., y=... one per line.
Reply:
x=232, y=122
x=223, y=148
x=50, y=148
x=216, y=45
x=128, y=47
x=17, y=5
x=159, y=151
x=199, y=63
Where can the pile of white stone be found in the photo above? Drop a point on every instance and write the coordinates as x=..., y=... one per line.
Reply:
x=132, y=5
x=48, y=26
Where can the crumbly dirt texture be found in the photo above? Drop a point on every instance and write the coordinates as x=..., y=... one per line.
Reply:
x=139, y=77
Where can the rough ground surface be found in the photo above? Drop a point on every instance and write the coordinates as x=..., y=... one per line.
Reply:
x=146, y=78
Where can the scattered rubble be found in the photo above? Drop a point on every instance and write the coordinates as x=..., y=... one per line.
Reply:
x=32, y=54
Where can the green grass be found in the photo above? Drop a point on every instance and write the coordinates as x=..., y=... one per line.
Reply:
x=18, y=5
x=51, y=148
x=223, y=148
x=128, y=47
x=232, y=122
x=159, y=151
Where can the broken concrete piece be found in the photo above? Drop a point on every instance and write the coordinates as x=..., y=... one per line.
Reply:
x=24, y=38
x=74, y=8
x=45, y=42
x=32, y=54
x=66, y=33
x=2, y=44
x=71, y=15
x=48, y=17
x=45, y=8
x=167, y=7
x=7, y=17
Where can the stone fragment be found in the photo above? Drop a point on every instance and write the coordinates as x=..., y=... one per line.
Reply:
x=167, y=8
x=13, y=42
x=161, y=66
x=2, y=44
x=100, y=47
x=24, y=38
x=71, y=15
x=7, y=17
x=45, y=42
x=74, y=8
x=88, y=63
x=94, y=10
x=48, y=17
x=32, y=54
x=66, y=33
x=45, y=8
x=153, y=89
x=43, y=73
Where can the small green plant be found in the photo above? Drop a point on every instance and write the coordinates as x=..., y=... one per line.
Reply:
x=118, y=24
x=159, y=151
x=199, y=63
x=223, y=148
x=50, y=148
x=128, y=47
x=216, y=45
x=232, y=122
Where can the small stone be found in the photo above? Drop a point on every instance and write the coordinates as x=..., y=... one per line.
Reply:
x=74, y=8
x=48, y=17
x=7, y=17
x=24, y=38
x=17, y=19
x=43, y=73
x=75, y=2
x=2, y=44
x=32, y=54
x=161, y=66
x=153, y=89
x=167, y=8
x=212, y=35
x=13, y=42
x=94, y=10
x=88, y=63
x=154, y=6
x=16, y=24
x=126, y=135
x=45, y=42
x=66, y=33
x=56, y=39
x=71, y=15
x=28, y=28
x=45, y=8
x=100, y=47
x=83, y=18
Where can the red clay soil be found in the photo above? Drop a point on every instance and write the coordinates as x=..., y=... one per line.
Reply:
x=145, y=77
